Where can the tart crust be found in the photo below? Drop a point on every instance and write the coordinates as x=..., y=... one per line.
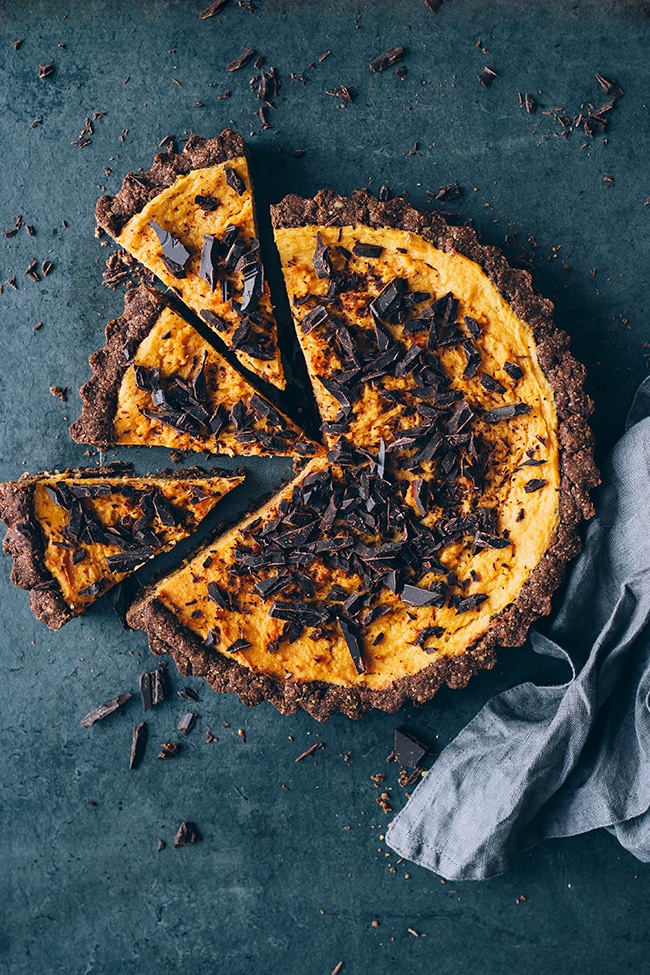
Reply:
x=578, y=476
x=24, y=540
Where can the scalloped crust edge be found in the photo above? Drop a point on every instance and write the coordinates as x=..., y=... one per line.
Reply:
x=579, y=476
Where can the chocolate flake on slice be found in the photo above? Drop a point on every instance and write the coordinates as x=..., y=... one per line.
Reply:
x=471, y=602
x=238, y=646
x=534, y=485
x=152, y=688
x=506, y=412
x=408, y=750
x=94, y=589
x=367, y=250
x=491, y=384
x=387, y=59
x=313, y=319
x=187, y=833
x=353, y=643
x=234, y=180
x=388, y=299
x=209, y=260
x=514, y=371
x=321, y=259
x=174, y=254
x=416, y=596
x=207, y=203
x=187, y=722
x=214, y=320
x=138, y=744
x=103, y=711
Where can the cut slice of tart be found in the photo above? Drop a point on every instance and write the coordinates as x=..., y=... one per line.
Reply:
x=459, y=470
x=190, y=219
x=157, y=382
x=75, y=534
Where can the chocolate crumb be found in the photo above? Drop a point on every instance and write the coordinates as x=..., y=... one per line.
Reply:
x=387, y=59
x=310, y=751
x=45, y=70
x=487, y=76
x=61, y=392
x=246, y=55
x=161, y=846
x=187, y=833
x=168, y=749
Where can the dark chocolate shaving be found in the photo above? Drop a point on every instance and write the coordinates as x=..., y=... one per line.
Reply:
x=103, y=710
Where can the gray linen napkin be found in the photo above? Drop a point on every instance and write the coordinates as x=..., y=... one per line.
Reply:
x=541, y=762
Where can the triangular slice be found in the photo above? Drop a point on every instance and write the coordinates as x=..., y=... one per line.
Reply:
x=74, y=535
x=331, y=597
x=190, y=219
x=157, y=382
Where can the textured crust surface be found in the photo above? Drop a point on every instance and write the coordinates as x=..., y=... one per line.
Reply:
x=113, y=212
x=24, y=539
x=578, y=476
x=142, y=308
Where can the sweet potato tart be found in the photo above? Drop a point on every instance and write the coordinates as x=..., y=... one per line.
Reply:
x=190, y=219
x=75, y=534
x=459, y=469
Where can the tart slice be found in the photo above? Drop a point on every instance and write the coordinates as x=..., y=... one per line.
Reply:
x=157, y=382
x=73, y=535
x=190, y=219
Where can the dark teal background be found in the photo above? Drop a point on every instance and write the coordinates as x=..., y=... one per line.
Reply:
x=289, y=881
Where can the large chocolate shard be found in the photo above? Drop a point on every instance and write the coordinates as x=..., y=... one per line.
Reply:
x=152, y=688
x=174, y=254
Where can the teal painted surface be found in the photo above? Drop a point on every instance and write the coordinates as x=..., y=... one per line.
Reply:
x=290, y=880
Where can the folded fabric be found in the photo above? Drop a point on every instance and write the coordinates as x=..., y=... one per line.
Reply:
x=540, y=762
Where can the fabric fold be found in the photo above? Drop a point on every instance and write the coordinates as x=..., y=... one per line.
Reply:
x=551, y=761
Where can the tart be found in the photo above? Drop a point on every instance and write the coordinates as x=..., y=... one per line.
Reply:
x=75, y=534
x=157, y=382
x=459, y=469
x=190, y=219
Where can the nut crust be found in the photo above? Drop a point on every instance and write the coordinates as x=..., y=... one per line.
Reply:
x=113, y=212
x=578, y=476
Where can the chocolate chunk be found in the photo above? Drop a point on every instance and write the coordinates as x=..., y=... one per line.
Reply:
x=213, y=320
x=103, y=711
x=388, y=300
x=246, y=55
x=487, y=76
x=353, y=643
x=206, y=203
x=416, y=596
x=491, y=384
x=174, y=253
x=217, y=596
x=187, y=722
x=209, y=260
x=188, y=694
x=234, y=180
x=94, y=589
x=345, y=93
x=130, y=560
x=210, y=11
x=138, y=744
x=321, y=259
x=387, y=59
x=534, y=485
x=367, y=250
x=238, y=645
x=152, y=688
x=446, y=193
x=408, y=750
x=514, y=371
x=253, y=288
x=313, y=319
x=471, y=602
x=187, y=833
x=506, y=412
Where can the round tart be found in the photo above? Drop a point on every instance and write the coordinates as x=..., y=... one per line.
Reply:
x=459, y=469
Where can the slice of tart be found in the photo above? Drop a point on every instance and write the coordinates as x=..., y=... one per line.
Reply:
x=459, y=470
x=190, y=219
x=73, y=535
x=157, y=382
